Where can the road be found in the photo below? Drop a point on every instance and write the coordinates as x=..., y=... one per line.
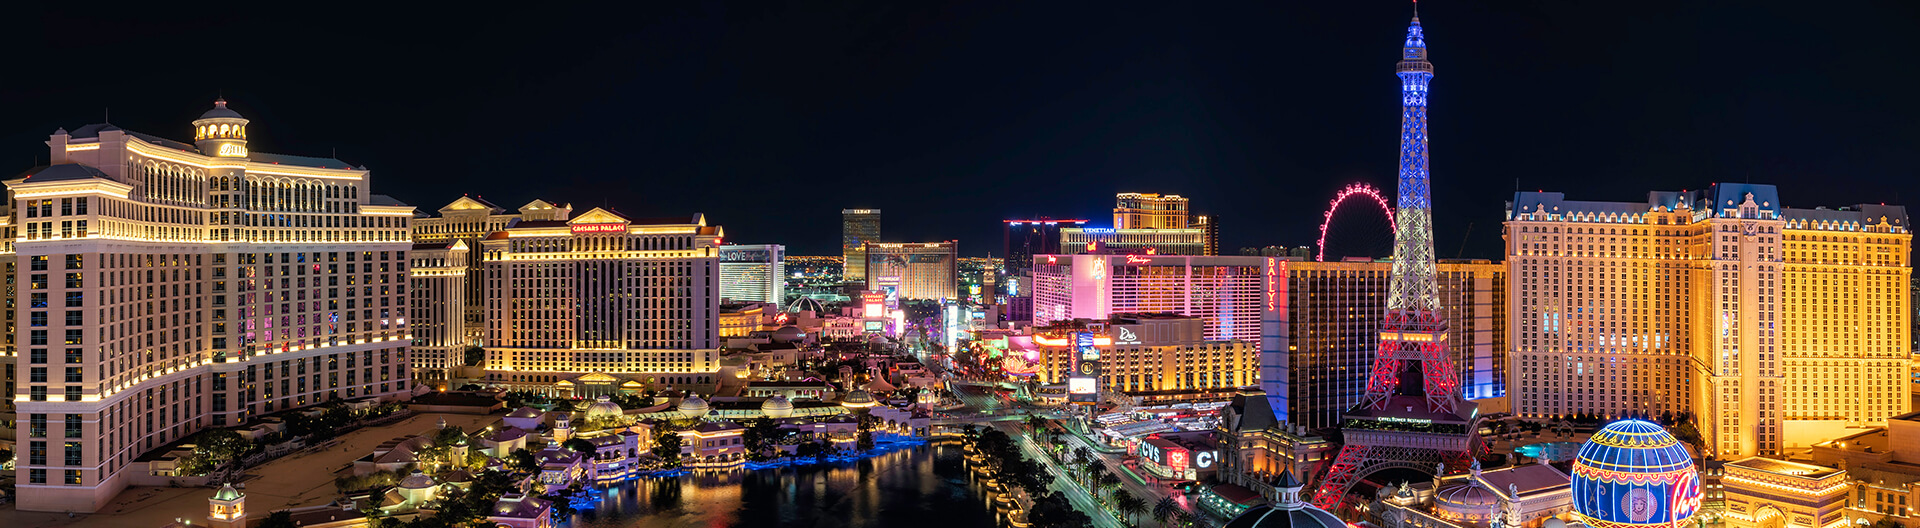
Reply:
x=1149, y=490
x=1064, y=482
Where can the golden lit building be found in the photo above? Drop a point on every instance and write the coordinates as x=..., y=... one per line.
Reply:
x=436, y=308
x=1783, y=326
x=1149, y=211
x=1156, y=357
x=1884, y=467
x=603, y=299
x=1084, y=240
x=1769, y=493
x=858, y=227
x=1255, y=449
x=470, y=219
x=921, y=271
x=168, y=287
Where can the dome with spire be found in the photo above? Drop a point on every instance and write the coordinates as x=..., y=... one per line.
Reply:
x=1289, y=512
x=220, y=110
x=604, y=407
x=777, y=407
x=416, y=481
x=693, y=407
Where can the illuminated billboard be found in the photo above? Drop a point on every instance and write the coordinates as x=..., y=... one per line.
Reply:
x=875, y=327
x=872, y=304
x=1079, y=388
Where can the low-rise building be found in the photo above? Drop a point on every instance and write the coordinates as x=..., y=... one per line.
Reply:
x=1769, y=493
x=517, y=510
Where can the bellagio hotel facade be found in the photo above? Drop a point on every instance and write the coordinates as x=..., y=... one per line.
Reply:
x=160, y=288
x=1774, y=327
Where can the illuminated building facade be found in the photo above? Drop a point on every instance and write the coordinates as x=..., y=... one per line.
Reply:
x=756, y=272
x=1227, y=293
x=1883, y=471
x=921, y=270
x=470, y=219
x=1780, y=326
x=1336, y=309
x=1209, y=226
x=1769, y=493
x=167, y=287
x=1085, y=240
x=436, y=309
x=1026, y=238
x=1150, y=211
x=1156, y=357
x=603, y=299
x=858, y=227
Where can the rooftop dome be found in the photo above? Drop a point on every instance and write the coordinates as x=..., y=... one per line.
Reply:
x=789, y=334
x=1290, y=512
x=1470, y=502
x=857, y=398
x=1634, y=473
x=693, y=406
x=227, y=493
x=220, y=110
x=603, y=407
x=777, y=407
x=417, y=480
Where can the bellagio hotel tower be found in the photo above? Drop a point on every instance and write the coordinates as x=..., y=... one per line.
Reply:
x=160, y=288
x=1773, y=327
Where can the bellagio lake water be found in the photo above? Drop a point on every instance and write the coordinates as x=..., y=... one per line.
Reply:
x=925, y=486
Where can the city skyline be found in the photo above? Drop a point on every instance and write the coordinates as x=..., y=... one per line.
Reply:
x=1747, y=97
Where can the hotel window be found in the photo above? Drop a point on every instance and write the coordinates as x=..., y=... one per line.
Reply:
x=72, y=476
x=72, y=426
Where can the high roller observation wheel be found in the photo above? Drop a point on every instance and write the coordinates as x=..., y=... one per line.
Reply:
x=1355, y=190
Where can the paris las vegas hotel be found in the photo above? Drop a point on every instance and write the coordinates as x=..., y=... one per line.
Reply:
x=160, y=288
x=1776, y=327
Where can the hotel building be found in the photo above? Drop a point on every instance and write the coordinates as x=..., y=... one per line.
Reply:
x=921, y=271
x=858, y=227
x=1150, y=211
x=1026, y=238
x=1100, y=240
x=1336, y=310
x=470, y=219
x=436, y=310
x=584, y=306
x=1226, y=293
x=753, y=272
x=1778, y=327
x=166, y=287
x=1156, y=357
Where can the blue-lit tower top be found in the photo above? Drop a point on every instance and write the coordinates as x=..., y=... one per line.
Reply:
x=1414, y=330
x=1413, y=282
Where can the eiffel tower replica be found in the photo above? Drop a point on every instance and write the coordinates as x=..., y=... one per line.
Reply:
x=1412, y=415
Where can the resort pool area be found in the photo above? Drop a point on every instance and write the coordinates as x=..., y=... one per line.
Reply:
x=1549, y=451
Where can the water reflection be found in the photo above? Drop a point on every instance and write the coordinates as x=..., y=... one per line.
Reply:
x=925, y=486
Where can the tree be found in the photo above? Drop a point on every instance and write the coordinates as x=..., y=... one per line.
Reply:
x=1053, y=511
x=524, y=460
x=475, y=356
x=1130, y=505
x=582, y=445
x=1108, y=480
x=865, y=441
x=666, y=445
x=469, y=387
x=755, y=438
x=1165, y=510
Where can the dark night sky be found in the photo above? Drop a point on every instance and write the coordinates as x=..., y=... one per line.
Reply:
x=772, y=119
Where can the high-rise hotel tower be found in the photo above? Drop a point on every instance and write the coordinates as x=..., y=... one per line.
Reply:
x=1774, y=327
x=164, y=287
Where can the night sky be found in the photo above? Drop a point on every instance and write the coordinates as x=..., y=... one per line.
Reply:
x=952, y=117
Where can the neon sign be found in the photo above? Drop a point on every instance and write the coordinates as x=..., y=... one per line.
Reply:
x=1136, y=259
x=1125, y=336
x=229, y=149
x=1273, y=286
x=1053, y=259
x=598, y=228
x=1204, y=459
x=1098, y=230
x=1177, y=461
x=1099, y=268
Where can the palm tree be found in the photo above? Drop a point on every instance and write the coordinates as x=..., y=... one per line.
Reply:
x=1109, y=480
x=1081, y=455
x=1130, y=505
x=1095, y=468
x=1164, y=510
